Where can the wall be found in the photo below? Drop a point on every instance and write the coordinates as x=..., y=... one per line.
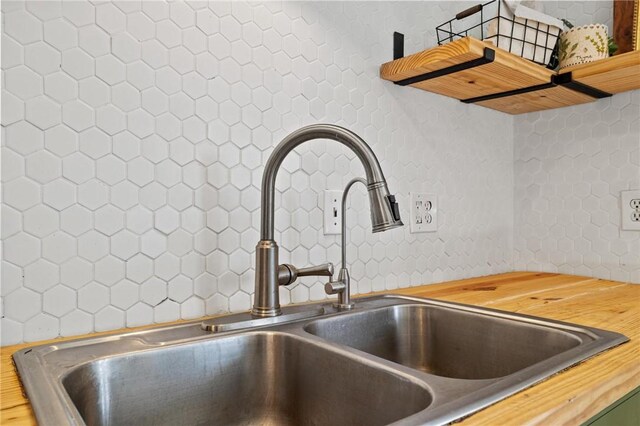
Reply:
x=581, y=12
x=570, y=166
x=133, y=139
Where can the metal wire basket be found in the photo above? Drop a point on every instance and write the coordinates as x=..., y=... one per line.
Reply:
x=496, y=24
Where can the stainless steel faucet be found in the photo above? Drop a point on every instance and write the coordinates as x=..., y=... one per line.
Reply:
x=384, y=213
x=342, y=286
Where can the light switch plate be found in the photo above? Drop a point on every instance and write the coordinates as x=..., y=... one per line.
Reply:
x=630, y=210
x=332, y=212
x=423, y=210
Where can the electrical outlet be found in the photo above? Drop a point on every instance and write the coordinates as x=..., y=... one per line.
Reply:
x=630, y=210
x=423, y=214
x=332, y=212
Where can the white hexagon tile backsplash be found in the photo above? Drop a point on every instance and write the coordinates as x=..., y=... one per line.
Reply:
x=570, y=166
x=134, y=136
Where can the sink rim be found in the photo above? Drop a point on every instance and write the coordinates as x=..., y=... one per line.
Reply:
x=560, y=326
x=583, y=336
x=48, y=398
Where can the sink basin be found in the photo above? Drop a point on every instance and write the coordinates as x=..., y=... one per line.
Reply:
x=392, y=360
x=447, y=342
x=255, y=378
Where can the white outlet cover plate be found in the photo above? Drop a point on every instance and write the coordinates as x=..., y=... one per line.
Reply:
x=423, y=212
x=627, y=201
x=332, y=212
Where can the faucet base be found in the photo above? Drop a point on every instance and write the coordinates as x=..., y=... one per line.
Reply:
x=344, y=306
x=247, y=320
x=265, y=312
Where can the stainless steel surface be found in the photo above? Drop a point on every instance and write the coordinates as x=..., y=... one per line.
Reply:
x=384, y=210
x=266, y=299
x=446, y=342
x=256, y=378
x=287, y=274
x=385, y=214
x=334, y=287
x=342, y=286
x=393, y=359
x=381, y=216
x=345, y=195
x=245, y=320
x=324, y=270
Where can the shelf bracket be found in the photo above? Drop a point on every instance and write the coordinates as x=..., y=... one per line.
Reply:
x=487, y=57
x=566, y=80
x=509, y=93
x=398, y=45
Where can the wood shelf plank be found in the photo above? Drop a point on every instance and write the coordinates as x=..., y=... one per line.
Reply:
x=555, y=97
x=616, y=74
x=508, y=72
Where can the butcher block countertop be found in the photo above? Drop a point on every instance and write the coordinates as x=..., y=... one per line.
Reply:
x=570, y=397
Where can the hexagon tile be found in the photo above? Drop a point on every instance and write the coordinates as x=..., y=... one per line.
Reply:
x=570, y=168
x=133, y=141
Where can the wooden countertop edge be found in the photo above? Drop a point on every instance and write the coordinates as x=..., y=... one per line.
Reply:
x=581, y=407
x=570, y=397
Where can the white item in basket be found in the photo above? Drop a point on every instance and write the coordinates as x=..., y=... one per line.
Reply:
x=531, y=4
x=540, y=31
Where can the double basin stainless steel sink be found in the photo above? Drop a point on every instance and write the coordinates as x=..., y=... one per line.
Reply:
x=392, y=360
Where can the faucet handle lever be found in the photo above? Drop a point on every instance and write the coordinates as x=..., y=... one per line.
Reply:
x=335, y=287
x=324, y=270
x=287, y=274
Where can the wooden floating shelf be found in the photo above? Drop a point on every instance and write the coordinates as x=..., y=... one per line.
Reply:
x=616, y=74
x=477, y=72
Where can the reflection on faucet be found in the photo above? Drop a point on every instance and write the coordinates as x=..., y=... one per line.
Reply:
x=384, y=210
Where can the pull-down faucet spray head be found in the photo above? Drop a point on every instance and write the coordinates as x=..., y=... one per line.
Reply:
x=385, y=214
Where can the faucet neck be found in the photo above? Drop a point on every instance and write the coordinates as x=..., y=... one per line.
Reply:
x=344, y=218
x=372, y=169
